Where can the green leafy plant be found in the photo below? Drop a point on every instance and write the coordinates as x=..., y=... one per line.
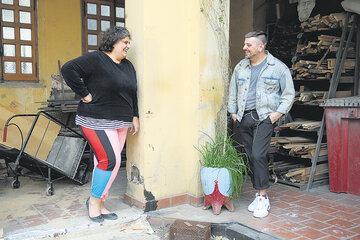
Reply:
x=221, y=153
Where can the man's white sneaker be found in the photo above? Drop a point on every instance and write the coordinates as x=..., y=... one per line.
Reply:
x=252, y=205
x=262, y=208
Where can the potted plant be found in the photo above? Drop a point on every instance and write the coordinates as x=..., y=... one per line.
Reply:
x=223, y=172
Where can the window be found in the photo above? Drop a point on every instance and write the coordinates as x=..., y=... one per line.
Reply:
x=99, y=15
x=18, y=40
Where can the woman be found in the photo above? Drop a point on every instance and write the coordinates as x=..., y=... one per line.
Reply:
x=106, y=83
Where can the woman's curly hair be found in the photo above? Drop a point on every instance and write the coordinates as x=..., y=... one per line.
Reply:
x=111, y=36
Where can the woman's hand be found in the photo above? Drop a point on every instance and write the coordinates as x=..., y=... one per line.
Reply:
x=87, y=99
x=135, y=126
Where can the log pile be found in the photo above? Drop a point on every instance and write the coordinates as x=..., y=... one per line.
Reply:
x=318, y=23
x=316, y=97
x=301, y=175
x=301, y=148
x=323, y=68
x=325, y=42
x=314, y=60
x=317, y=57
x=297, y=146
x=297, y=173
x=310, y=70
x=305, y=125
x=304, y=150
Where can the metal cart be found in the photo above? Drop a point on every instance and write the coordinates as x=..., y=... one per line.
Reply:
x=68, y=157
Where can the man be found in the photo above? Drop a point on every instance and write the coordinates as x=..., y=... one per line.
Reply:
x=261, y=91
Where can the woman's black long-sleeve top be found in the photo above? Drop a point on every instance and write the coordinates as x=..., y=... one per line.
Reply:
x=113, y=86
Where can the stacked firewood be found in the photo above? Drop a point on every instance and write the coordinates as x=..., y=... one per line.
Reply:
x=300, y=147
x=316, y=70
x=304, y=150
x=309, y=70
x=297, y=146
x=314, y=60
x=297, y=173
x=318, y=23
x=326, y=44
x=305, y=125
x=316, y=97
x=323, y=68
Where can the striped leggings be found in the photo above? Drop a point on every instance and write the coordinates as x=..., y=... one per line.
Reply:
x=107, y=145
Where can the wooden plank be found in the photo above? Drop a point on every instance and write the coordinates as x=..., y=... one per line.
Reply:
x=306, y=171
x=294, y=140
x=339, y=94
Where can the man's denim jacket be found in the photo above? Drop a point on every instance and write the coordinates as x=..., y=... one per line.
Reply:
x=274, y=88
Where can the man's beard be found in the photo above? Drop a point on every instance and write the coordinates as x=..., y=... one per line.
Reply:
x=248, y=56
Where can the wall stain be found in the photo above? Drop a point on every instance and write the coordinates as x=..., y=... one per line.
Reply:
x=152, y=147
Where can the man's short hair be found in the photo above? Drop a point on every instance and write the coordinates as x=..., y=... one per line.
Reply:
x=261, y=35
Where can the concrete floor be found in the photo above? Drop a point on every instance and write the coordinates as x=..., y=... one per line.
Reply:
x=28, y=213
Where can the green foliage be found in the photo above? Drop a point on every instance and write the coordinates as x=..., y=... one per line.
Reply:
x=221, y=20
x=221, y=153
x=202, y=10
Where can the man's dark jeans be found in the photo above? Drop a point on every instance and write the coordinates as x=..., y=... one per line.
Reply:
x=256, y=136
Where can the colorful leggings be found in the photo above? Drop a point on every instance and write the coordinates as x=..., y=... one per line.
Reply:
x=107, y=145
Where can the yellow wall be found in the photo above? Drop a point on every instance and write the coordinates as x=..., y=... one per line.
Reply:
x=59, y=30
x=179, y=86
x=59, y=38
x=175, y=55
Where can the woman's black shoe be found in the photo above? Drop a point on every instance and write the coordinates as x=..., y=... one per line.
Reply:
x=110, y=216
x=94, y=219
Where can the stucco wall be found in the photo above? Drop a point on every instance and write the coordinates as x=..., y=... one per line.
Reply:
x=59, y=31
x=175, y=55
x=179, y=86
